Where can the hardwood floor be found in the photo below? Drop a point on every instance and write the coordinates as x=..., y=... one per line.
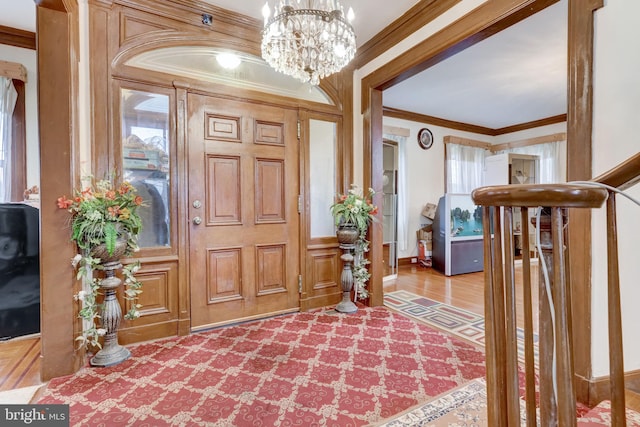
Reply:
x=464, y=291
x=19, y=363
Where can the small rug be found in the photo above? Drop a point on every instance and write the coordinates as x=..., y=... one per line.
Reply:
x=450, y=319
x=316, y=368
x=464, y=406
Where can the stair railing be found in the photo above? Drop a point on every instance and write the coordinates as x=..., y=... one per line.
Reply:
x=555, y=372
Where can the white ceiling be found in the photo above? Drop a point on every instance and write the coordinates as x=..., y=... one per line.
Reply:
x=516, y=76
x=19, y=14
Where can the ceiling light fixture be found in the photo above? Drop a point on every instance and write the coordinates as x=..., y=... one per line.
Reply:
x=228, y=60
x=308, y=39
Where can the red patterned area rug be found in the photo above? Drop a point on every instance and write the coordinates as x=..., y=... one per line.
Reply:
x=306, y=369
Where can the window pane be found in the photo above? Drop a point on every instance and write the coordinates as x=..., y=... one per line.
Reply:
x=322, y=160
x=145, y=151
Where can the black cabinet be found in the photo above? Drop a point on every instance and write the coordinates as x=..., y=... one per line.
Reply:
x=19, y=270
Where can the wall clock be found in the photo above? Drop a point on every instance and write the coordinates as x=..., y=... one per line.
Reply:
x=425, y=138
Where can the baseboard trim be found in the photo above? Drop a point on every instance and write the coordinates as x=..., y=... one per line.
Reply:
x=595, y=390
x=405, y=261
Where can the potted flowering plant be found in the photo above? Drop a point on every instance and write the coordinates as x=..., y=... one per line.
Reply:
x=355, y=208
x=355, y=211
x=103, y=212
x=105, y=225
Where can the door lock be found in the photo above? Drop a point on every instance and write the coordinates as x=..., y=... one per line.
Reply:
x=197, y=220
x=197, y=204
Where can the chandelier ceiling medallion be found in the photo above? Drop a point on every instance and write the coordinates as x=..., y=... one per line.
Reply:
x=308, y=39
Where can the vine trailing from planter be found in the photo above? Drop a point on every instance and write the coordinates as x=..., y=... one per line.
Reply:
x=101, y=215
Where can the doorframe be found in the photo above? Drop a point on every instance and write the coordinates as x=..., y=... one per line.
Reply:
x=479, y=24
x=57, y=35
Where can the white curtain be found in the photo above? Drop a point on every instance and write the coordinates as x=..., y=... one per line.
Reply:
x=553, y=160
x=8, y=97
x=402, y=213
x=464, y=168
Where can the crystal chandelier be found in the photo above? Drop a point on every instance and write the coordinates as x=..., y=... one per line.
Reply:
x=308, y=39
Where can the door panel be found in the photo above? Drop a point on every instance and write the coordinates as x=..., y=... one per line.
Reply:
x=244, y=172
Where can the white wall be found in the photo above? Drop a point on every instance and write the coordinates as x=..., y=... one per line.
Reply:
x=615, y=133
x=27, y=57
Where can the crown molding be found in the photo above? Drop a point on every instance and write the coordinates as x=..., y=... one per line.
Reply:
x=18, y=38
x=411, y=21
x=467, y=127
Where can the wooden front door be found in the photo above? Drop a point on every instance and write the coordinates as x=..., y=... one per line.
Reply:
x=243, y=209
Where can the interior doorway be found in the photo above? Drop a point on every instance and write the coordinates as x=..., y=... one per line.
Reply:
x=390, y=209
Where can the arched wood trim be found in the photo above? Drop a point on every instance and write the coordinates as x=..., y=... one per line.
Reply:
x=57, y=52
x=150, y=42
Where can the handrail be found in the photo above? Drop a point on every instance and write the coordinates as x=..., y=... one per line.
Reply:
x=532, y=195
x=623, y=176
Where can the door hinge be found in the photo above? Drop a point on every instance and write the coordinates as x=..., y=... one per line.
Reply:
x=298, y=130
x=300, y=201
x=300, y=283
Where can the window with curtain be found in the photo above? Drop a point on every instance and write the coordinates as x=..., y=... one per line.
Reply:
x=8, y=99
x=464, y=168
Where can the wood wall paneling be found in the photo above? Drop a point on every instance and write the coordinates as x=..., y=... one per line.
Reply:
x=324, y=266
x=224, y=184
x=322, y=285
x=187, y=15
x=269, y=133
x=271, y=269
x=224, y=273
x=159, y=299
x=222, y=128
x=269, y=191
x=102, y=143
x=182, y=202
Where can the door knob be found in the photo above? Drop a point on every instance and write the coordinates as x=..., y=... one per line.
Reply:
x=197, y=220
x=197, y=204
